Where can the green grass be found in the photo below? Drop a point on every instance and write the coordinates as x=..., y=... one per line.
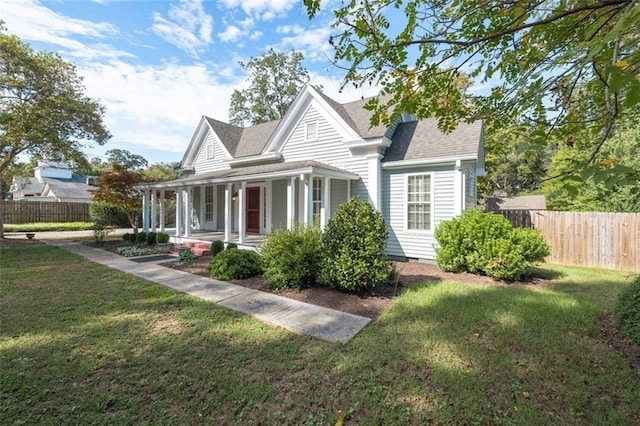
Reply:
x=97, y=346
x=48, y=226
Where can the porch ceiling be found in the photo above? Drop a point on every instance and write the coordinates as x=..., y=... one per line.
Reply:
x=261, y=172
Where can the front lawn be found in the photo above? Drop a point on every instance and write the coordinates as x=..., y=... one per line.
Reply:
x=84, y=344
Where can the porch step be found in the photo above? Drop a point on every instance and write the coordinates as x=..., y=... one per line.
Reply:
x=199, y=251
x=196, y=244
x=197, y=248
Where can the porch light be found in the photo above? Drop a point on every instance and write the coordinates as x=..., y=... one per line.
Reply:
x=234, y=197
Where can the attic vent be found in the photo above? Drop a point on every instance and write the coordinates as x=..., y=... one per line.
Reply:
x=312, y=131
x=210, y=150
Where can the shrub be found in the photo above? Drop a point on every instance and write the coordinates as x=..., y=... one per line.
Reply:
x=100, y=231
x=232, y=246
x=626, y=313
x=152, y=238
x=162, y=238
x=487, y=244
x=216, y=247
x=109, y=214
x=235, y=264
x=131, y=251
x=291, y=258
x=185, y=254
x=142, y=237
x=127, y=237
x=353, y=248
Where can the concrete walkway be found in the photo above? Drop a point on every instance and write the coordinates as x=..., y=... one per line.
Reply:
x=299, y=317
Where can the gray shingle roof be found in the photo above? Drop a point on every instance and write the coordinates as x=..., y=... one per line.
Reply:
x=252, y=171
x=229, y=134
x=423, y=140
x=68, y=189
x=254, y=138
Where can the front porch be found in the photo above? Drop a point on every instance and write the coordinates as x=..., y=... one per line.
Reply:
x=251, y=241
x=242, y=205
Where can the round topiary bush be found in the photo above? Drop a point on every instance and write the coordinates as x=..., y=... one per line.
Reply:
x=216, y=247
x=626, y=313
x=353, y=248
x=152, y=238
x=142, y=237
x=487, y=244
x=232, y=246
x=291, y=258
x=162, y=238
x=235, y=264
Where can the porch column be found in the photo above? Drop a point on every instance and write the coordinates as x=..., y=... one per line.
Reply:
x=179, y=210
x=242, y=231
x=214, y=206
x=227, y=212
x=458, y=189
x=145, y=211
x=203, y=201
x=374, y=180
x=348, y=191
x=268, y=188
x=188, y=200
x=291, y=205
x=325, y=209
x=154, y=211
x=308, y=199
x=162, y=207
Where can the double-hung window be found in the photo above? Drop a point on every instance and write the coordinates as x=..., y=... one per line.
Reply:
x=419, y=202
x=317, y=199
x=208, y=203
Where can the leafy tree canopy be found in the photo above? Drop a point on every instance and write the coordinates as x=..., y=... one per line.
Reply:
x=564, y=65
x=43, y=110
x=163, y=171
x=275, y=80
x=119, y=187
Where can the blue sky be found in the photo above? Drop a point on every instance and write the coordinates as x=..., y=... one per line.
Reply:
x=158, y=66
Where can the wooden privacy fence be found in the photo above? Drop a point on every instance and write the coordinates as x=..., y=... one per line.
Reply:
x=17, y=212
x=603, y=240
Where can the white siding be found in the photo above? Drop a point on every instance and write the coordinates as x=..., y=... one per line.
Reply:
x=414, y=244
x=202, y=164
x=328, y=149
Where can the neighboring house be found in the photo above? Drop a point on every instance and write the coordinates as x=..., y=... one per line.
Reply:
x=52, y=182
x=523, y=202
x=301, y=168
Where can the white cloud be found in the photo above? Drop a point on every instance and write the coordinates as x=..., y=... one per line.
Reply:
x=313, y=42
x=264, y=10
x=231, y=33
x=32, y=21
x=187, y=27
x=156, y=106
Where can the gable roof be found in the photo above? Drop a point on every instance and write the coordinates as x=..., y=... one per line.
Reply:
x=423, y=140
x=228, y=133
x=254, y=138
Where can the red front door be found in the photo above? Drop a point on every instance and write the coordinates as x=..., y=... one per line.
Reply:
x=253, y=209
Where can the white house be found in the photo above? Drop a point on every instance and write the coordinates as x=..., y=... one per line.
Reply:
x=240, y=182
x=52, y=181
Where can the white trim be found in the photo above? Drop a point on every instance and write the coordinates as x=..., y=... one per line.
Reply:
x=145, y=211
x=325, y=210
x=228, y=217
x=344, y=175
x=383, y=141
x=242, y=212
x=458, y=189
x=178, y=212
x=261, y=158
x=162, y=210
x=154, y=202
x=291, y=195
x=431, y=202
x=423, y=162
x=188, y=206
x=268, y=206
x=307, y=136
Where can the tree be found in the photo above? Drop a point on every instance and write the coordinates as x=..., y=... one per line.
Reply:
x=126, y=159
x=276, y=79
x=163, y=171
x=119, y=187
x=606, y=190
x=513, y=165
x=43, y=110
x=564, y=65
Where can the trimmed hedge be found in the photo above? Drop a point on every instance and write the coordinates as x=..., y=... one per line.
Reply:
x=487, y=244
x=626, y=313
x=162, y=238
x=291, y=258
x=108, y=215
x=235, y=264
x=353, y=251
